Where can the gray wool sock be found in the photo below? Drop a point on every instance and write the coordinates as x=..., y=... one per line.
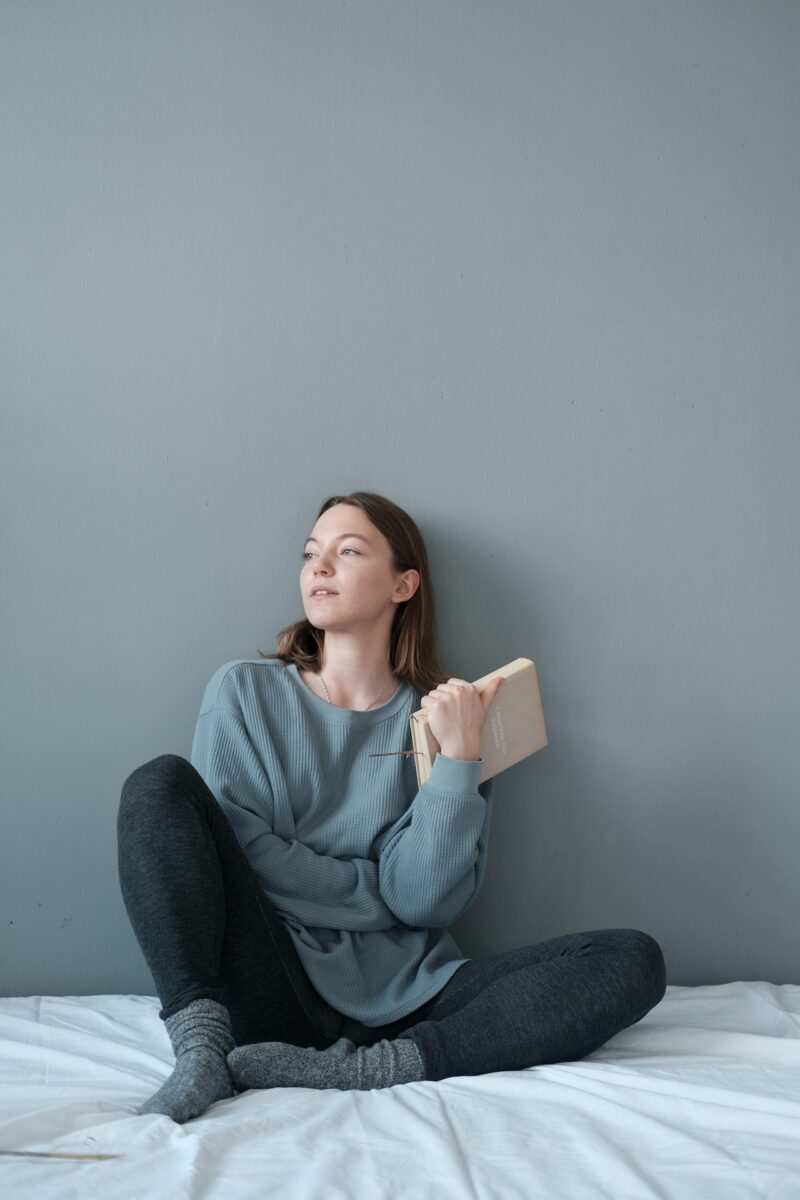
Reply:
x=343, y=1065
x=201, y=1037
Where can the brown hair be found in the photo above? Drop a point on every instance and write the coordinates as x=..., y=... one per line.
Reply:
x=413, y=652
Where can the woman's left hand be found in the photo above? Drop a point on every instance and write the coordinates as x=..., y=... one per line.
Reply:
x=456, y=715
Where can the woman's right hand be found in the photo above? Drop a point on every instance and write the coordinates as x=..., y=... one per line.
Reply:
x=456, y=713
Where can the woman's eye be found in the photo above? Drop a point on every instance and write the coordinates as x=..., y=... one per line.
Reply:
x=308, y=553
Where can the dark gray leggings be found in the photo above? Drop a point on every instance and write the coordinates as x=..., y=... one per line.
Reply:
x=207, y=929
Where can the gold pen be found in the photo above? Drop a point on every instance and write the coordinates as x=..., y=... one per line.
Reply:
x=383, y=753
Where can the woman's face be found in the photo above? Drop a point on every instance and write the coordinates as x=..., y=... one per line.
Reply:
x=348, y=555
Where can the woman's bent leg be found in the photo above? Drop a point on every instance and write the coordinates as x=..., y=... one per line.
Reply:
x=550, y=1002
x=204, y=924
x=224, y=965
x=553, y=1001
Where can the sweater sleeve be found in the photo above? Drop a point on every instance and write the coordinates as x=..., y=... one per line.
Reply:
x=433, y=862
x=314, y=889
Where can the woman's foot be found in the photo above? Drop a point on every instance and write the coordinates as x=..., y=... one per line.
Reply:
x=201, y=1037
x=343, y=1065
x=200, y=1078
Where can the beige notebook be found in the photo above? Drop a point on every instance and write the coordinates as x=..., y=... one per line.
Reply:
x=513, y=728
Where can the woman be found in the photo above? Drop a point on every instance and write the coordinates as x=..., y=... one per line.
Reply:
x=291, y=887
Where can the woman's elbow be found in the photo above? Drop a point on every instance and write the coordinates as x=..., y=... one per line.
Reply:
x=422, y=915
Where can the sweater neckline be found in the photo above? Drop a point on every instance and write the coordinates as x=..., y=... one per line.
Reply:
x=347, y=716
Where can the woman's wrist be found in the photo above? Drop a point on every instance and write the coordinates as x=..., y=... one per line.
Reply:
x=467, y=753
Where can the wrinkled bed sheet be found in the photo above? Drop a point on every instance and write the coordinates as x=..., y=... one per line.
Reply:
x=698, y=1101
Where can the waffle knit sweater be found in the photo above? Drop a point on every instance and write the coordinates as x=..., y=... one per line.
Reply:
x=364, y=868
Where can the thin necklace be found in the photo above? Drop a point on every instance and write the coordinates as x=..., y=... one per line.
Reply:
x=369, y=705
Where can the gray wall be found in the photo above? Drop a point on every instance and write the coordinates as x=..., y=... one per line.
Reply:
x=529, y=269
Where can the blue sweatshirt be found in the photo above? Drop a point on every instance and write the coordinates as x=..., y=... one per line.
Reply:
x=364, y=868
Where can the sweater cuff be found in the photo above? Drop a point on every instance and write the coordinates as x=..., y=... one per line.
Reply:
x=458, y=775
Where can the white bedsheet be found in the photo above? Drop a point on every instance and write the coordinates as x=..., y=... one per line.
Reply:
x=699, y=1101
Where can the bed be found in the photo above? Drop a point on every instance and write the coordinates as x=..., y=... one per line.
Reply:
x=701, y=1099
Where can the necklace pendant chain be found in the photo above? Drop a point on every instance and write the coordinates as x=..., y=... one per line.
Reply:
x=368, y=706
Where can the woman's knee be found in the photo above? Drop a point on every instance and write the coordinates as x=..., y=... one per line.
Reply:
x=159, y=777
x=648, y=964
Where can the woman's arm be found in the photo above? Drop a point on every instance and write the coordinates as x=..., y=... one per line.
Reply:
x=314, y=889
x=433, y=862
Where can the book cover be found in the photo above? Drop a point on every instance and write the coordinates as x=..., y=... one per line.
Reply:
x=513, y=729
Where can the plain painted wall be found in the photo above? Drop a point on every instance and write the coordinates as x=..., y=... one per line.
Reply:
x=529, y=269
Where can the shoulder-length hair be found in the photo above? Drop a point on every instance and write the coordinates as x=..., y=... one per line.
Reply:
x=413, y=652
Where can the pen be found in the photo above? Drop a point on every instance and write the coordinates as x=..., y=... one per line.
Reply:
x=383, y=753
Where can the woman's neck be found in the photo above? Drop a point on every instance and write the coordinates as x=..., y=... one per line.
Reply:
x=353, y=683
x=356, y=671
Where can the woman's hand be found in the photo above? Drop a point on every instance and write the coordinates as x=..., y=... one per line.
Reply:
x=456, y=715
